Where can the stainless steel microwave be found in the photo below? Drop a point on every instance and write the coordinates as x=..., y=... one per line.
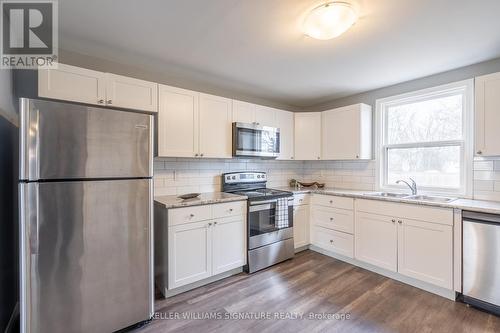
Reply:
x=254, y=140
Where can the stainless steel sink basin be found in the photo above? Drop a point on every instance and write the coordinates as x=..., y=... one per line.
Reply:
x=387, y=195
x=430, y=198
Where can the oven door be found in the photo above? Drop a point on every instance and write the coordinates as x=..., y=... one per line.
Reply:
x=263, y=227
x=255, y=141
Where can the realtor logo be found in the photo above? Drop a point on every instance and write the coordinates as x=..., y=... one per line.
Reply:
x=29, y=34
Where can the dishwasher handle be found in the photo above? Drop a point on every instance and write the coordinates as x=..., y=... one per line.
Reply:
x=480, y=217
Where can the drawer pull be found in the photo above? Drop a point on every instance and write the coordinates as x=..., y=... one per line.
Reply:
x=215, y=223
x=209, y=224
x=331, y=218
x=331, y=201
x=393, y=221
x=400, y=222
x=230, y=209
x=331, y=241
x=191, y=216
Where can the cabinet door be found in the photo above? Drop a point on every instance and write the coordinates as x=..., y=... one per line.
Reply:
x=130, y=93
x=189, y=253
x=215, y=127
x=487, y=115
x=346, y=133
x=243, y=112
x=285, y=122
x=376, y=240
x=72, y=83
x=265, y=116
x=301, y=225
x=229, y=244
x=177, y=122
x=425, y=252
x=308, y=136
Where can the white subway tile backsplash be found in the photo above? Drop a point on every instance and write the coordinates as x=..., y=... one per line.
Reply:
x=183, y=175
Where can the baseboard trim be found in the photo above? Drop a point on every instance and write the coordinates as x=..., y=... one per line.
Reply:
x=302, y=248
x=446, y=293
x=169, y=293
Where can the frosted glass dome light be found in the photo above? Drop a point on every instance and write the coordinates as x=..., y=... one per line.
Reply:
x=330, y=20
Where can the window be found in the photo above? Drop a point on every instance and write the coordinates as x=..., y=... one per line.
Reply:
x=425, y=135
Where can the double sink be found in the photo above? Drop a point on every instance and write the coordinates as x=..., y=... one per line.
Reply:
x=419, y=197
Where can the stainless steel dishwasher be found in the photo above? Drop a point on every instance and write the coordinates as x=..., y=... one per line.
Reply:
x=481, y=260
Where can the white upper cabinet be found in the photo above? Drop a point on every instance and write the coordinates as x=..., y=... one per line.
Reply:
x=265, y=116
x=72, y=83
x=127, y=92
x=308, y=136
x=285, y=122
x=347, y=133
x=487, y=115
x=82, y=85
x=177, y=122
x=244, y=112
x=215, y=133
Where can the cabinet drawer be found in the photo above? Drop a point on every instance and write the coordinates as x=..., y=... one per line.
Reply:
x=334, y=241
x=410, y=211
x=229, y=209
x=301, y=199
x=333, y=201
x=333, y=218
x=189, y=214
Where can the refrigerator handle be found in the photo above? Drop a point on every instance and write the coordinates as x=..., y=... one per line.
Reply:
x=28, y=140
x=33, y=218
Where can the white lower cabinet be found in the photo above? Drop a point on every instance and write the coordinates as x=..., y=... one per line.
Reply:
x=204, y=241
x=425, y=252
x=376, y=240
x=229, y=251
x=189, y=253
x=415, y=241
x=301, y=225
x=333, y=241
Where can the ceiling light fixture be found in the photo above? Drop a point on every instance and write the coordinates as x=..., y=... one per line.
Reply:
x=330, y=20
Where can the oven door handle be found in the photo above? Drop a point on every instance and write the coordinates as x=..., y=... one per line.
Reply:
x=260, y=207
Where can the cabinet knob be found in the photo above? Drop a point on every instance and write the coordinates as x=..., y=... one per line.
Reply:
x=331, y=218
x=357, y=156
x=195, y=155
x=191, y=215
x=331, y=201
x=291, y=158
x=230, y=209
x=479, y=152
x=201, y=154
x=331, y=241
x=393, y=221
x=399, y=221
x=109, y=101
x=319, y=157
x=215, y=223
x=209, y=224
x=101, y=101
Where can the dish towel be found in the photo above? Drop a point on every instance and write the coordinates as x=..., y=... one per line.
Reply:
x=281, y=214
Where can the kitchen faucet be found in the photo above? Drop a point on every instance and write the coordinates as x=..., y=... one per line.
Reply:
x=413, y=186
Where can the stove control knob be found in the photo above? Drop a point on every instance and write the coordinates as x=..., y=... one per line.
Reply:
x=258, y=176
x=263, y=176
x=234, y=177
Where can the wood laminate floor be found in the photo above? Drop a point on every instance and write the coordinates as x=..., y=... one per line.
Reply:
x=312, y=283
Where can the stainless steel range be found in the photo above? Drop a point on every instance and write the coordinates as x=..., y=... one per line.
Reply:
x=269, y=218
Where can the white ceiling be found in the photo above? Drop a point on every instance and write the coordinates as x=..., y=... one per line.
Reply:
x=257, y=47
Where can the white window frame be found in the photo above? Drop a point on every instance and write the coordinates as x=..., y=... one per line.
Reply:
x=466, y=88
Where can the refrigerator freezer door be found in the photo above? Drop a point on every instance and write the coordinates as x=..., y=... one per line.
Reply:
x=68, y=141
x=86, y=255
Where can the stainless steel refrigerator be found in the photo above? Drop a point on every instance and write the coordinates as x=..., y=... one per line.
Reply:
x=86, y=201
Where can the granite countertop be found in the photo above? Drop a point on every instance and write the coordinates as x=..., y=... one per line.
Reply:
x=481, y=206
x=172, y=201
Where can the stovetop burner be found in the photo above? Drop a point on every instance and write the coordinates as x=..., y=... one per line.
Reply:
x=251, y=184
